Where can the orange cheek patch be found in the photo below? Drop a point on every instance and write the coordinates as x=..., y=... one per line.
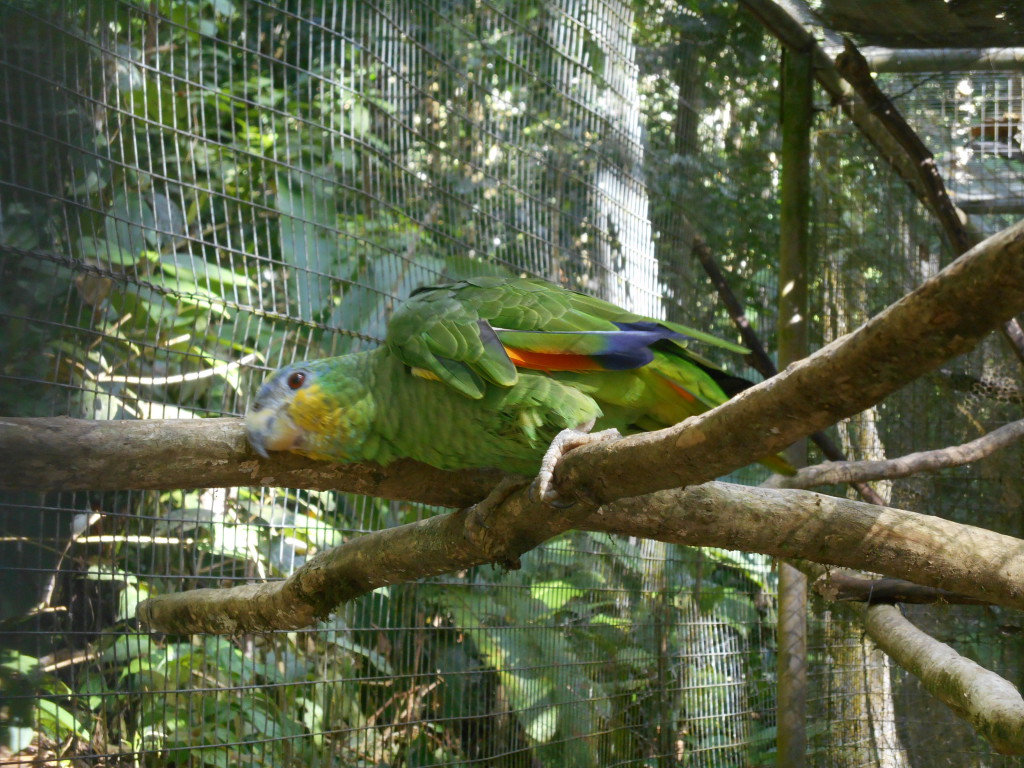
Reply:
x=553, y=361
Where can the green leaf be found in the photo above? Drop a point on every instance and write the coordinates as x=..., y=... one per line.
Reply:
x=58, y=723
x=105, y=252
x=554, y=594
x=197, y=270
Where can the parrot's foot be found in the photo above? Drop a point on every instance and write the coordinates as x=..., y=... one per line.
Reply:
x=543, y=487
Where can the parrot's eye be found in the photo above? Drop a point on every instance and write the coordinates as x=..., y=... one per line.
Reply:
x=296, y=380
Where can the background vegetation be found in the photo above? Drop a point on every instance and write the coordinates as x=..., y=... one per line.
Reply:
x=194, y=193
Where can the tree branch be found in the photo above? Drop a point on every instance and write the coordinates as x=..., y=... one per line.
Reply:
x=831, y=472
x=946, y=316
x=825, y=529
x=842, y=586
x=854, y=67
x=992, y=706
x=62, y=454
x=793, y=524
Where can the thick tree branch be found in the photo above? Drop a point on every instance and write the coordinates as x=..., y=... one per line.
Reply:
x=854, y=67
x=61, y=454
x=904, y=466
x=825, y=529
x=794, y=524
x=944, y=317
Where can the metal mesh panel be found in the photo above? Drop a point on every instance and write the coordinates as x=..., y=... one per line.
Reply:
x=192, y=195
x=195, y=194
x=875, y=242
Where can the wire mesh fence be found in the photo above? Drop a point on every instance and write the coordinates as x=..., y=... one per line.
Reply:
x=194, y=194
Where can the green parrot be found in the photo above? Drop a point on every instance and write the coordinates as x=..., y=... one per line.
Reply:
x=488, y=372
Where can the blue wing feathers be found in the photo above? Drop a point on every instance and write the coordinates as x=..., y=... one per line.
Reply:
x=624, y=349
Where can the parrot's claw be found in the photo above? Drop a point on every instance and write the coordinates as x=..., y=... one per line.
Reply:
x=543, y=488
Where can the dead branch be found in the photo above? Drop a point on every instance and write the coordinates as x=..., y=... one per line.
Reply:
x=831, y=472
x=843, y=586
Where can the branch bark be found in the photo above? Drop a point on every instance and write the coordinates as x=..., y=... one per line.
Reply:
x=825, y=529
x=992, y=705
x=904, y=466
x=62, y=454
x=794, y=524
x=840, y=586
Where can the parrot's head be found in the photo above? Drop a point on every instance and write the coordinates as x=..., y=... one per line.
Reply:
x=317, y=408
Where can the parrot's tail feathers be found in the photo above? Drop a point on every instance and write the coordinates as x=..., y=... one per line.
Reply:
x=778, y=465
x=679, y=389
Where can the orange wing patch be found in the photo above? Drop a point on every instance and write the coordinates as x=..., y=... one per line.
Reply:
x=551, y=361
x=683, y=393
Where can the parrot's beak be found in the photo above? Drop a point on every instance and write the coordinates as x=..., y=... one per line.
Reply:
x=270, y=429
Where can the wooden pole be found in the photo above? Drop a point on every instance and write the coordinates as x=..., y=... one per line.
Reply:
x=797, y=113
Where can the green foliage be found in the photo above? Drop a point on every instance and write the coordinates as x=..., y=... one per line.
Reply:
x=242, y=184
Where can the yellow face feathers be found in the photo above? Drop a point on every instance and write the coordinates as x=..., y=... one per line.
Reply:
x=317, y=409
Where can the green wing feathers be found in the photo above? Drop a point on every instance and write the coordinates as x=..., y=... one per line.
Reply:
x=485, y=372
